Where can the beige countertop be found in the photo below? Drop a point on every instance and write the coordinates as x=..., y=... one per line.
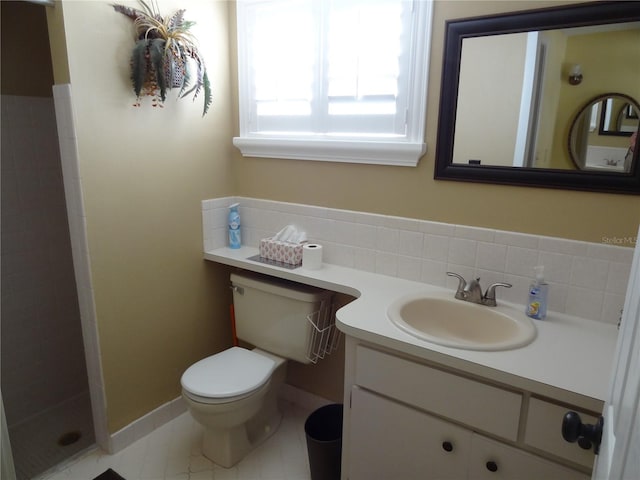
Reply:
x=570, y=359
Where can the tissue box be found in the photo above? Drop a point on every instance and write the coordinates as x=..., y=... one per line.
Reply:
x=290, y=253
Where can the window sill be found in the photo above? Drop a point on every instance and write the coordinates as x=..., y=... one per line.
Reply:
x=403, y=154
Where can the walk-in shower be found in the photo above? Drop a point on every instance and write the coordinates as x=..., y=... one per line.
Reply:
x=43, y=370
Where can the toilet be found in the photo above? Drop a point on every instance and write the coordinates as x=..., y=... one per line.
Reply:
x=233, y=394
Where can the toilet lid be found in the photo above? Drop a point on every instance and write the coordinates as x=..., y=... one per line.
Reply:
x=230, y=373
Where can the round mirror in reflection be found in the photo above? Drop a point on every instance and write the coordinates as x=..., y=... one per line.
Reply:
x=603, y=135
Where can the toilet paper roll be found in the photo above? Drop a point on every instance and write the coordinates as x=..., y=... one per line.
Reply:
x=312, y=256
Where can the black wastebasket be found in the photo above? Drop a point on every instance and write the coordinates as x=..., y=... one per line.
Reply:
x=324, y=442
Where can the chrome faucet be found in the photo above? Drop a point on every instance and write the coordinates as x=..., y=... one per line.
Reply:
x=472, y=292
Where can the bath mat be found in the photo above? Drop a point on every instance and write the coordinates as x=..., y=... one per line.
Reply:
x=109, y=475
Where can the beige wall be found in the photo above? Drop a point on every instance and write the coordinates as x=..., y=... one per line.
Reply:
x=412, y=192
x=145, y=170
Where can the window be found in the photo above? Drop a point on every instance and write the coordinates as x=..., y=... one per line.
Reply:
x=337, y=80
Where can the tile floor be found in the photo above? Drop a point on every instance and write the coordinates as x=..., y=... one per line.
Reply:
x=35, y=442
x=173, y=452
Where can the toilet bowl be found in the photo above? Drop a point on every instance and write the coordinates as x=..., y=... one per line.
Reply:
x=233, y=394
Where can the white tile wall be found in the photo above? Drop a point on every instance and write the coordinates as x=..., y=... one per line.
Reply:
x=80, y=252
x=586, y=279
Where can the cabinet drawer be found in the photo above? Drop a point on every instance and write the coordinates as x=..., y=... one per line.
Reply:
x=467, y=401
x=544, y=431
x=491, y=460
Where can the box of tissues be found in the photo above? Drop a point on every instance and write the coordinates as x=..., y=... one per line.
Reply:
x=285, y=246
x=281, y=251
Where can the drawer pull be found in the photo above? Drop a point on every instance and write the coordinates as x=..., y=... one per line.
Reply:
x=447, y=446
x=492, y=466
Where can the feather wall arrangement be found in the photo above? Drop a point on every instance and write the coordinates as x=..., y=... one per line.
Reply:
x=163, y=56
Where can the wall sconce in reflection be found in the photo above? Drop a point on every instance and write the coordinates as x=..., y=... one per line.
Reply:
x=575, y=75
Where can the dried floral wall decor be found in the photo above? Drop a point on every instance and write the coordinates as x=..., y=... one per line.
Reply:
x=163, y=56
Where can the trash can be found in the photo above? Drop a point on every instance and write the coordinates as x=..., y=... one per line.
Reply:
x=323, y=429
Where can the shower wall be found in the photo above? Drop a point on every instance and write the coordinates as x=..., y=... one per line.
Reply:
x=41, y=340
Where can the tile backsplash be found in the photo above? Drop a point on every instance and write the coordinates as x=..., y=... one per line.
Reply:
x=586, y=279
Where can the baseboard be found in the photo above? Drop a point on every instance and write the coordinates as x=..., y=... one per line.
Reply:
x=146, y=424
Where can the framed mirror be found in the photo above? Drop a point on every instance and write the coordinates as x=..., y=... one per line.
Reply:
x=513, y=85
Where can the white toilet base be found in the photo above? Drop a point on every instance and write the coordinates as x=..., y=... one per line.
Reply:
x=227, y=447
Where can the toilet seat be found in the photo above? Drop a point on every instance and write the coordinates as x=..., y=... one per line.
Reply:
x=227, y=376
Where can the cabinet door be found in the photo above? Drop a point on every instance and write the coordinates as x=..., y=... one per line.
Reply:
x=491, y=460
x=390, y=441
x=543, y=431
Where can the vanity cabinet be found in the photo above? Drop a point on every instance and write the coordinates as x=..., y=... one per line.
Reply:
x=411, y=420
x=390, y=440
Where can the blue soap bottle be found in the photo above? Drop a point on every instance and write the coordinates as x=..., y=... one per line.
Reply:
x=235, y=241
x=538, y=296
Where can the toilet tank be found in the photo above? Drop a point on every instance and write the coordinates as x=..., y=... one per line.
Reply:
x=272, y=313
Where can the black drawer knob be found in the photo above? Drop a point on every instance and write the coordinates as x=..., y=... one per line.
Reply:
x=447, y=446
x=587, y=436
x=492, y=466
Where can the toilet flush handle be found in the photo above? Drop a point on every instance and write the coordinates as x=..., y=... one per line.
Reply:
x=237, y=289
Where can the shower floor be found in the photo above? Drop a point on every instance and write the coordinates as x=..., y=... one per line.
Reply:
x=38, y=443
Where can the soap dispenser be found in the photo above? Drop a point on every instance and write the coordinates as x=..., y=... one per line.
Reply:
x=235, y=240
x=538, y=293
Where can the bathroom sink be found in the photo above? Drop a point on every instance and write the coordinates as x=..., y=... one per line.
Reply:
x=442, y=319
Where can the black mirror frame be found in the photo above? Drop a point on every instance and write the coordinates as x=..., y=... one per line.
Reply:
x=592, y=13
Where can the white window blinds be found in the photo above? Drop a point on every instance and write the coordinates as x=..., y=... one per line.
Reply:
x=332, y=70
